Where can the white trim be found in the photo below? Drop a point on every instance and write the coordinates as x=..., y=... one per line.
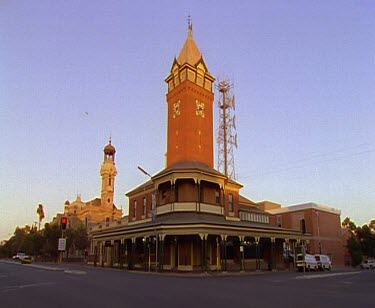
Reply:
x=209, y=208
x=185, y=207
x=232, y=218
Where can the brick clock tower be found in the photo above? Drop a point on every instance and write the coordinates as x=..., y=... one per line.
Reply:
x=190, y=107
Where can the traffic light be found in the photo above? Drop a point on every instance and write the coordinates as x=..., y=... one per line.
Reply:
x=64, y=222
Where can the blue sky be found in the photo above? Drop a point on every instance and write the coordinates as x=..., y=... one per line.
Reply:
x=72, y=73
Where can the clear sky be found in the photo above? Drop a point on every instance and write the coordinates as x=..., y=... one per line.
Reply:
x=72, y=73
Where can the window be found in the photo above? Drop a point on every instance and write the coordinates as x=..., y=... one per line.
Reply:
x=134, y=208
x=144, y=206
x=230, y=203
x=109, y=181
x=217, y=196
x=279, y=221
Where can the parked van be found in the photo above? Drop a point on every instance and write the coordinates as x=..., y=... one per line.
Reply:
x=308, y=262
x=324, y=262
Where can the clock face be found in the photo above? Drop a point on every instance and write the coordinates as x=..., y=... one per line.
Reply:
x=200, y=109
x=176, y=109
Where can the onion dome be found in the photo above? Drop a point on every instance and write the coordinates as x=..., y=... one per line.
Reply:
x=109, y=149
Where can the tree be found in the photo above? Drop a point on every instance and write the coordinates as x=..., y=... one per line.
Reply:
x=51, y=233
x=354, y=247
x=76, y=239
x=372, y=225
x=347, y=223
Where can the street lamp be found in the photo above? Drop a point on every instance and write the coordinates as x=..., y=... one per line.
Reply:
x=144, y=171
x=153, y=216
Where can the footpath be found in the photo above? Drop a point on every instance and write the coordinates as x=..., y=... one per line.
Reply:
x=79, y=269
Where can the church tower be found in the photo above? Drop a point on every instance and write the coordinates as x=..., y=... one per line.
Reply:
x=108, y=173
x=190, y=107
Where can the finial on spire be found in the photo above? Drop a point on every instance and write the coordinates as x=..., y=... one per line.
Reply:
x=110, y=139
x=190, y=25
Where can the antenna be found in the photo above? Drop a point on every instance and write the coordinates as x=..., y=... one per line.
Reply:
x=226, y=135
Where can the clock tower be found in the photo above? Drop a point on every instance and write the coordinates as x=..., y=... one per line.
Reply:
x=190, y=107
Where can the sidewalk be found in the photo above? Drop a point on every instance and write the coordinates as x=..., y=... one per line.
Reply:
x=78, y=268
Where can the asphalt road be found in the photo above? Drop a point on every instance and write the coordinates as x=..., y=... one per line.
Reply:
x=39, y=286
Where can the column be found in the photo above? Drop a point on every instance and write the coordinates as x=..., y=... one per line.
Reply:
x=257, y=253
x=224, y=252
x=242, y=253
x=161, y=262
x=203, y=251
x=287, y=253
x=95, y=253
x=199, y=195
x=217, y=253
x=121, y=253
x=222, y=201
x=111, y=253
x=273, y=257
x=145, y=258
x=132, y=261
x=102, y=252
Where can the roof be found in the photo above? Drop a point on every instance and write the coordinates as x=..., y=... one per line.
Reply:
x=146, y=185
x=306, y=206
x=189, y=165
x=193, y=219
x=189, y=53
x=109, y=148
x=183, y=166
x=245, y=201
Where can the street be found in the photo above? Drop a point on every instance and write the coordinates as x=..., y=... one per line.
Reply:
x=40, y=285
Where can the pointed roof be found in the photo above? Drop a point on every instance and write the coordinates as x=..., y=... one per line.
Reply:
x=189, y=53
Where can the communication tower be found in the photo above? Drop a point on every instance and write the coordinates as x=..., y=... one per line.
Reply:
x=226, y=136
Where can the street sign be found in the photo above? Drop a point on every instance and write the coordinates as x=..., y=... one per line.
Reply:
x=62, y=244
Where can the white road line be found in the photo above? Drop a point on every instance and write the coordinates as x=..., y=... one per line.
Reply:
x=13, y=288
x=326, y=275
x=75, y=272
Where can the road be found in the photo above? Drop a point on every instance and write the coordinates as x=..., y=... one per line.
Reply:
x=41, y=286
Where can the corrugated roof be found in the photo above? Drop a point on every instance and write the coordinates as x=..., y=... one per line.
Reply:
x=189, y=165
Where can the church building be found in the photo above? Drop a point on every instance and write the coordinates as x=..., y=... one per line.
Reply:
x=100, y=209
x=189, y=216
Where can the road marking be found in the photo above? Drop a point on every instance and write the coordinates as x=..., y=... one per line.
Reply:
x=326, y=275
x=75, y=272
x=14, y=288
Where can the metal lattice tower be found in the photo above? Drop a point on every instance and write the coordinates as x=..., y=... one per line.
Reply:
x=226, y=136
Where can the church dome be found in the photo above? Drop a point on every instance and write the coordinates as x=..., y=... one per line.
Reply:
x=67, y=202
x=109, y=148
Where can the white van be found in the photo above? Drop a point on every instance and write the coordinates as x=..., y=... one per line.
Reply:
x=324, y=262
x=308, y=262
